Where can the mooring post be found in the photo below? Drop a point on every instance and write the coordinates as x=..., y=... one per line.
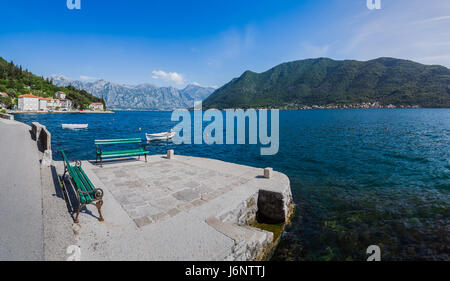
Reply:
x=170, y=154
x=268, y=172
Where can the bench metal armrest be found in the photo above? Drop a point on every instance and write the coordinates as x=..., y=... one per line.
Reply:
x=98, y=193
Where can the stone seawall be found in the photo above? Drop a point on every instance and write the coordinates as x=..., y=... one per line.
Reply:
x=7, y=116
x=265, y=205
x=44, y=139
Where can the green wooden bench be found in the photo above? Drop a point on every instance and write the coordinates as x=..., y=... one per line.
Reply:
x=119, y=153
x=84, y=189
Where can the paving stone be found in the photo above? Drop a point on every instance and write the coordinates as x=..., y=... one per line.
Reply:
x=173, y=212
x=187, y=195
x=202, y=189
x=159, y=216
x=174, y=178
x=150, y=210
x=119, y=173
x=191, y=184
x=198, y=202
x=175, y=187
x=185, y=206
x=165, y=203
x=140, y=222
x=207, y=197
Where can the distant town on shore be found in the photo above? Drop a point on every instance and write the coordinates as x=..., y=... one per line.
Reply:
x=32, y=103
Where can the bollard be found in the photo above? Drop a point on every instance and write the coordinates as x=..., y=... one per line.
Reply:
x=47, y=159
x=268, y=173
x=170, y=154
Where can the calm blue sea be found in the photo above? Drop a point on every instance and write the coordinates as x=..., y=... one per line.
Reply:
x=359, y=177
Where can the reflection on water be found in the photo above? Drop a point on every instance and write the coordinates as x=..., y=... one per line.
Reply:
x=358, y=177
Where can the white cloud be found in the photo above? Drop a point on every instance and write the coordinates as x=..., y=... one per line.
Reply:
x=170, y=77
x=84, y=77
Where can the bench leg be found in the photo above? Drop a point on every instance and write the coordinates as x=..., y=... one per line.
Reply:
x=62, y=178
x=61, y=183
x=145, y=155
x=64, y=174
x=80, y=206
x=99, y=206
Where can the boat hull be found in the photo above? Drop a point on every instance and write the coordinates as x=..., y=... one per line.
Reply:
x=74, y=126
x=160, y=136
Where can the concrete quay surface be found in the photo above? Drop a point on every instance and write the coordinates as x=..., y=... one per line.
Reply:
x=185, y=208
x=21, y=222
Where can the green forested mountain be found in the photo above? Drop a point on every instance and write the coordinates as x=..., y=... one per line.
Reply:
x=15, y=81
x=325, y=81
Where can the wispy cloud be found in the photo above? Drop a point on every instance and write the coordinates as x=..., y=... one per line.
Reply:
x=169, y=77
x=435, y=19
x=395, y=31
x=88, y=78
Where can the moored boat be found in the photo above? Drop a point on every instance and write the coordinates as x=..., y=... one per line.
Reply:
x=74, y=126
x=160, y=136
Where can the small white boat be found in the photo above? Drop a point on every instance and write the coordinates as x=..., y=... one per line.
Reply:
x=160, y=136
x=74, y=126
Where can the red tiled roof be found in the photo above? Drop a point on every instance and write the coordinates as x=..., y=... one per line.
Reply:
x=27, y=96
x=97, y=103
x=3, y=94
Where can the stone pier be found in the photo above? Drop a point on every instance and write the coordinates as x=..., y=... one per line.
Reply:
x=182, y=208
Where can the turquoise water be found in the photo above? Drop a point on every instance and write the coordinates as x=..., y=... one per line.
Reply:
x=358, y=177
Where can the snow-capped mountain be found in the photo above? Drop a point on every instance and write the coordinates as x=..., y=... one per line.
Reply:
x=142, y=96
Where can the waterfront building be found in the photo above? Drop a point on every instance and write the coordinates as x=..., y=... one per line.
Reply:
x=28, y=102
x=51, y=103
x=96, y=106
x=60, y=95
x=42, y=104
x=54, y=103
x=67, y=104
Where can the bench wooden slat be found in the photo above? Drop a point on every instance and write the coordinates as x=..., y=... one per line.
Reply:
x=125, y=154
x=121, y=152
x=85, y=186
x=118, y=141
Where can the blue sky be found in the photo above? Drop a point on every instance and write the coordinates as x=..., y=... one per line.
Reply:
x=173, y=43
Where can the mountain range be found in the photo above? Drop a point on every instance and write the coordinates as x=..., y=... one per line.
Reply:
x=138, y=97
x=325, y=82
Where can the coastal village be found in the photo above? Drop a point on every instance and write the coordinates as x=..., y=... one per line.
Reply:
x=31, y=104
